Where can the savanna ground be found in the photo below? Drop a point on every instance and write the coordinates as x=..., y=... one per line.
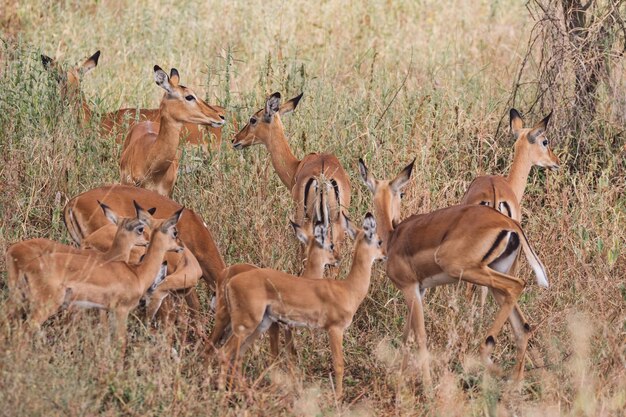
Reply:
x=384, y=80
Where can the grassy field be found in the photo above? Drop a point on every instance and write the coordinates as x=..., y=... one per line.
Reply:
x=384, y=80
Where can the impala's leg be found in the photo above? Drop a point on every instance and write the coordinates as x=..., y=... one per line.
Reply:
x=121, y=318
x=274, y=340
x=154, y=304
x=521, y=330
x=509, y=287
x=222, y=320
x=45, y=301
x=335, y=336
x=289, y=344
x=415, y=320
x=193, y=302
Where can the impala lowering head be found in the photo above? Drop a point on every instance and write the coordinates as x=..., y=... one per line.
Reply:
x=318, y=243
x=259, y=128
x=69, y=80
x=182, y=104
x=387, y=193
x=532, y=143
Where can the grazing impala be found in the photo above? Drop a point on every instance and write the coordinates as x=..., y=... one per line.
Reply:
x=150, y=154
x=505, y=193
x=82, y=281
x=469, y=243
x=260, y=297
x=82, y=217
x=317, y=183
x=319, y=253
x=117, y=247
x=120, y=121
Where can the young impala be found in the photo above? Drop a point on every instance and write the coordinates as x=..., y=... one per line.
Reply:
x=150, y=154
x=118, y=247
x=471, y=243
x=319, y=252
x=260, y=297
x=505, y=193
x=118, y=122
x=317, y=183
x=117, y=287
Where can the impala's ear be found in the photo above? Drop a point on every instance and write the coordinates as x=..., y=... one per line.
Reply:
x=366, y=177
x=290, y=105
x=515, y=122
x=403, y=177
x=46, y=61
x=320, y=231
x=174, y=77
x=369, y=226
x=173, y=220
x=539, y=129
x=349, y=226
x=272, y=105
x=151, y=211
x=163, y=81
x=110, y=214
x=300, y=233
x=141, y=213
x=90, y=63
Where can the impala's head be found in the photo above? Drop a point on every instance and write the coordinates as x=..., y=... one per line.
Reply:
x=319, y=248
x=69, y=79
x=387, y=193
x=532, y=143
x=367, y=238
x=167, y=231
x=264, y=123
x=182, y=104
x=136, y=229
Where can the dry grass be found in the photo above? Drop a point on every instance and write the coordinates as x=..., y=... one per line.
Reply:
x=451, y=65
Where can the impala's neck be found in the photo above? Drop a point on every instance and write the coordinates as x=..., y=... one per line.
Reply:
x=86, y=111
x=384, y=224
x=151, y=264
x=313, y=268
x=284, y=162
x=166, y=143
x=358, y=279
x=518, y=176
x=120, y=248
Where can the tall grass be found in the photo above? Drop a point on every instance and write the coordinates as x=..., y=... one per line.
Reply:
x=387, y=81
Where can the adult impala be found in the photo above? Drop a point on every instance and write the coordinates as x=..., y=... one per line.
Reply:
x=119, y=121
x=258, y=298
x=317, y=182
x=505, y=193
x=76, y=280
x=319, y=252
x=470, y=243
x=150, y=154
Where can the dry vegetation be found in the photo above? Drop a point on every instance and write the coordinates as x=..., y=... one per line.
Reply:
x=386, y=80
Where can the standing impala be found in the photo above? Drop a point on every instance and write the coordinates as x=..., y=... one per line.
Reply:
x=505, y=193
x=319, y=253
x=118, y=121
x=62, y=278
x=260, y=297
x=469, y=243
x=317, y=183
x=150, y=155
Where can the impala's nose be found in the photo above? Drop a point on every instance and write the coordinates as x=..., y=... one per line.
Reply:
x=222, y=117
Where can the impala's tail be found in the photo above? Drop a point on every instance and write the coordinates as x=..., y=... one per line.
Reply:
x=533, y=259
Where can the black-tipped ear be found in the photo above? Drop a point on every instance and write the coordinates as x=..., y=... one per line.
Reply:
x=369, y=226
x=300, y=234
x=349, y=226
x=95, y=57
x=46, y=61
x=151, y=211
x=108, y=213
x=162, y=79
x=319, y=232
x=272, y=105
x=539, y=129
x=173, y=220
x=174, y=77
x=368, y=180
x=403, y=177
x=516, y=123
x=290, y=105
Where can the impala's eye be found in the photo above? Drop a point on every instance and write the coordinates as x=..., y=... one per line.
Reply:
x=253, y=121
x=190, y=98
x=401, y=195
x=545, y=142
x=175, y=232
x=140, y=230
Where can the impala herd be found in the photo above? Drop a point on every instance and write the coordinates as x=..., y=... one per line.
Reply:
x=137, y=244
